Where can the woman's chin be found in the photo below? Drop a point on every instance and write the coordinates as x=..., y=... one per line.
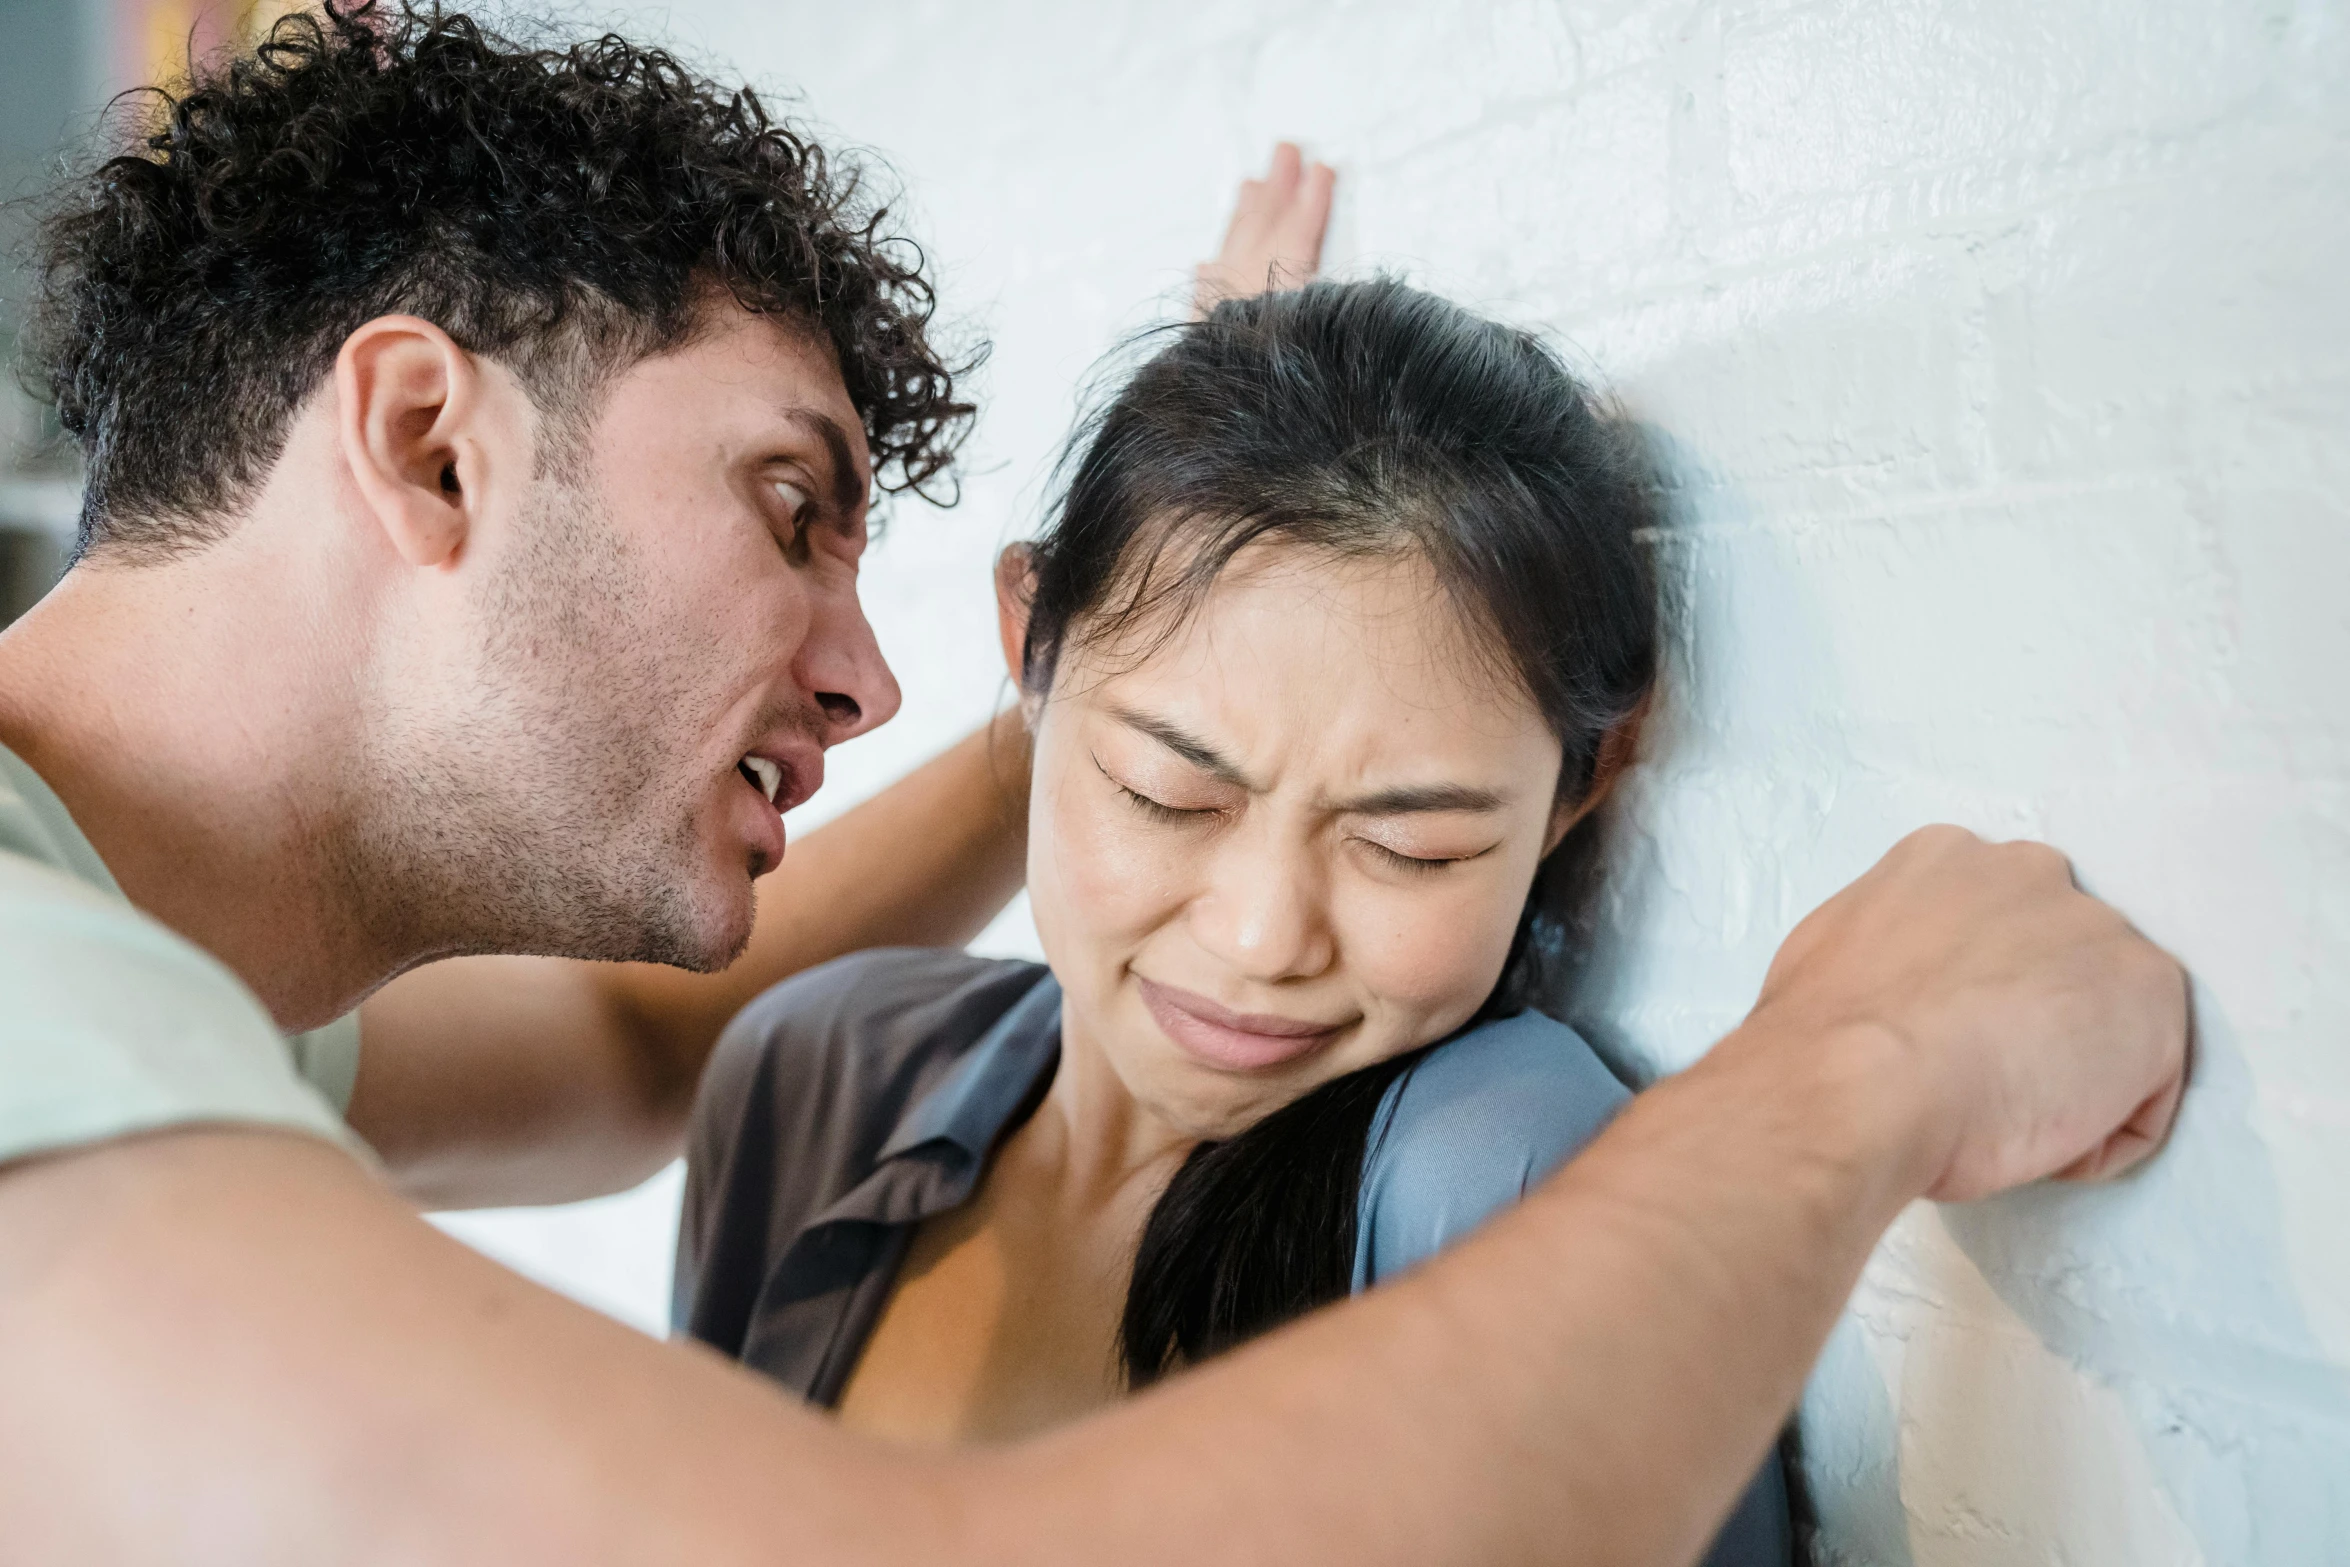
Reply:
x=1207, y=1105
x=1204, y=1122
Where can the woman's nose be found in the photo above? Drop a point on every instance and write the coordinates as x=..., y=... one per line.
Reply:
x=1264, y=914
x=841, y=665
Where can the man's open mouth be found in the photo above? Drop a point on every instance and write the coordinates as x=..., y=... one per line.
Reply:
x=762, y=775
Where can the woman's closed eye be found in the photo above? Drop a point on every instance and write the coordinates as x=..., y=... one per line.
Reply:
x=1417, y=864
x=1162, y=813
x=1157, y=810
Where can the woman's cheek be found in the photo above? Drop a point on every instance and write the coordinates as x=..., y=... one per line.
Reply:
x=1433, y=955
x=1117, y=874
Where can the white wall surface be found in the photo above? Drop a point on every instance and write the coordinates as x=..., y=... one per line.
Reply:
x=2002, y=356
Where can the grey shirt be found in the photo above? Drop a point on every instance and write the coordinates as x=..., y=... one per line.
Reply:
x=847, y=1105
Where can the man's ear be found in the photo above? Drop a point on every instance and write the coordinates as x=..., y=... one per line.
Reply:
x=407, y=398
x=1015, y=590
x=1617, y=749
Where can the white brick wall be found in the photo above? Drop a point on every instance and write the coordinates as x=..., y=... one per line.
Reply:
x=2002, y=355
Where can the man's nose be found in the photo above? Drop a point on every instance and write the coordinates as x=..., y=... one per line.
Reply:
x=1264, y=913
x=840, y=663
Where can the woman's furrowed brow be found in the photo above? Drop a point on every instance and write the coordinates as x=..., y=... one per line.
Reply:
x=1185, y=744
x=1405, y=800
x=1424, y=797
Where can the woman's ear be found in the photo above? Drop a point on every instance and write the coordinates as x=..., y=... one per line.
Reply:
x=1617, y=750
x=406, y=400
x=1015, y=590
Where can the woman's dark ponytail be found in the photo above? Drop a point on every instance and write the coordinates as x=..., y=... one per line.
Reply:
x=1254, y=1230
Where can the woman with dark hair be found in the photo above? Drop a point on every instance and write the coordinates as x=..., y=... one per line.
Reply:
x=1341, y=629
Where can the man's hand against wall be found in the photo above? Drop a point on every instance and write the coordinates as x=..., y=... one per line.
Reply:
x=2044, y=1035
x=1275, y=239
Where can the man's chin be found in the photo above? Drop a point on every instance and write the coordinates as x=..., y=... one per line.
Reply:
x=701, y=930
x=709, y=943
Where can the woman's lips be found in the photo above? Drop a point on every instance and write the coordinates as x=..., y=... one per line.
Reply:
x=1233, y=1041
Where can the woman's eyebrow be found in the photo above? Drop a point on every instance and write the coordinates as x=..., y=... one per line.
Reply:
x=1185, y=744
x=1404, y=800
x=1425, y=797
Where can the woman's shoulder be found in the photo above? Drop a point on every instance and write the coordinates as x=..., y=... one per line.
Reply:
x=1463, y=1134
x=860, y=1037
x=1474, y=1123
x=799, y=1096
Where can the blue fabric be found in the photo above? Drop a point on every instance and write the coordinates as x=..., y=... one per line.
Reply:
x=1463, y=1134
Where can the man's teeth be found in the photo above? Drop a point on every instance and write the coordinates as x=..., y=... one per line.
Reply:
x=767, y=775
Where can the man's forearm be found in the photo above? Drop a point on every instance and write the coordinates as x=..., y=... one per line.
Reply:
x=238, y=1343
x=1591, y=1378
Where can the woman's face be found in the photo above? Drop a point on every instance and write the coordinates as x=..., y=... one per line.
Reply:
x=1289, y=841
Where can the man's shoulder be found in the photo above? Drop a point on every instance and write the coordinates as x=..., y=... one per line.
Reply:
x=54, y=890
x=114, y=1024
x=1473, y=1124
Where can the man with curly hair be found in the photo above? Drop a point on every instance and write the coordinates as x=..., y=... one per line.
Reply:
x=479, y=440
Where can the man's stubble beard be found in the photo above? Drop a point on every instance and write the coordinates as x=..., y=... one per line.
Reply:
x=543, y=805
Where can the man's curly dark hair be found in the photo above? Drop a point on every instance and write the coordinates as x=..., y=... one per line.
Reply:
x=566, y=211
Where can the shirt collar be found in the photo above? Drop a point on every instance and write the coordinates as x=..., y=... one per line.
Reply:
x=34, y=822
x=972, y=1104
x=934, y=1155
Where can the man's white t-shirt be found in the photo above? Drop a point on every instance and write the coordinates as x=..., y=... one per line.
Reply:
x=111, y=1024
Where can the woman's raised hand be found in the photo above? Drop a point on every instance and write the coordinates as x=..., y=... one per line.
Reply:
x=1275, y=238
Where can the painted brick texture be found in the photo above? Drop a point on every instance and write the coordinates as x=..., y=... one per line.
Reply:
x=2001, y=355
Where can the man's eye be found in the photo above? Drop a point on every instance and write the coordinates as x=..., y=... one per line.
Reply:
x=797, y=505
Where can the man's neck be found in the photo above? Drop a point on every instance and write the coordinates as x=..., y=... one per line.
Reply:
x=177, y=712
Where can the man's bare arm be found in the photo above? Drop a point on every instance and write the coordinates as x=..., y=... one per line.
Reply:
x=237, y=1347
x=1594, y=1376
x=519, y=1080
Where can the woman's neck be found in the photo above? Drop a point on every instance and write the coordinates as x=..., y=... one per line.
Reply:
x=1003, y=1320
x=1099, y=1141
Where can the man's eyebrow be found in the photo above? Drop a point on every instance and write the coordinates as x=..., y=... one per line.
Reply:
x=1185, y=744
x=1425, y=797
x=847, y=493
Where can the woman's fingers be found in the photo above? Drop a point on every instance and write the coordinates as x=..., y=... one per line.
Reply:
x=1307, y=217
x=1275, y=237
x=1281, y=178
